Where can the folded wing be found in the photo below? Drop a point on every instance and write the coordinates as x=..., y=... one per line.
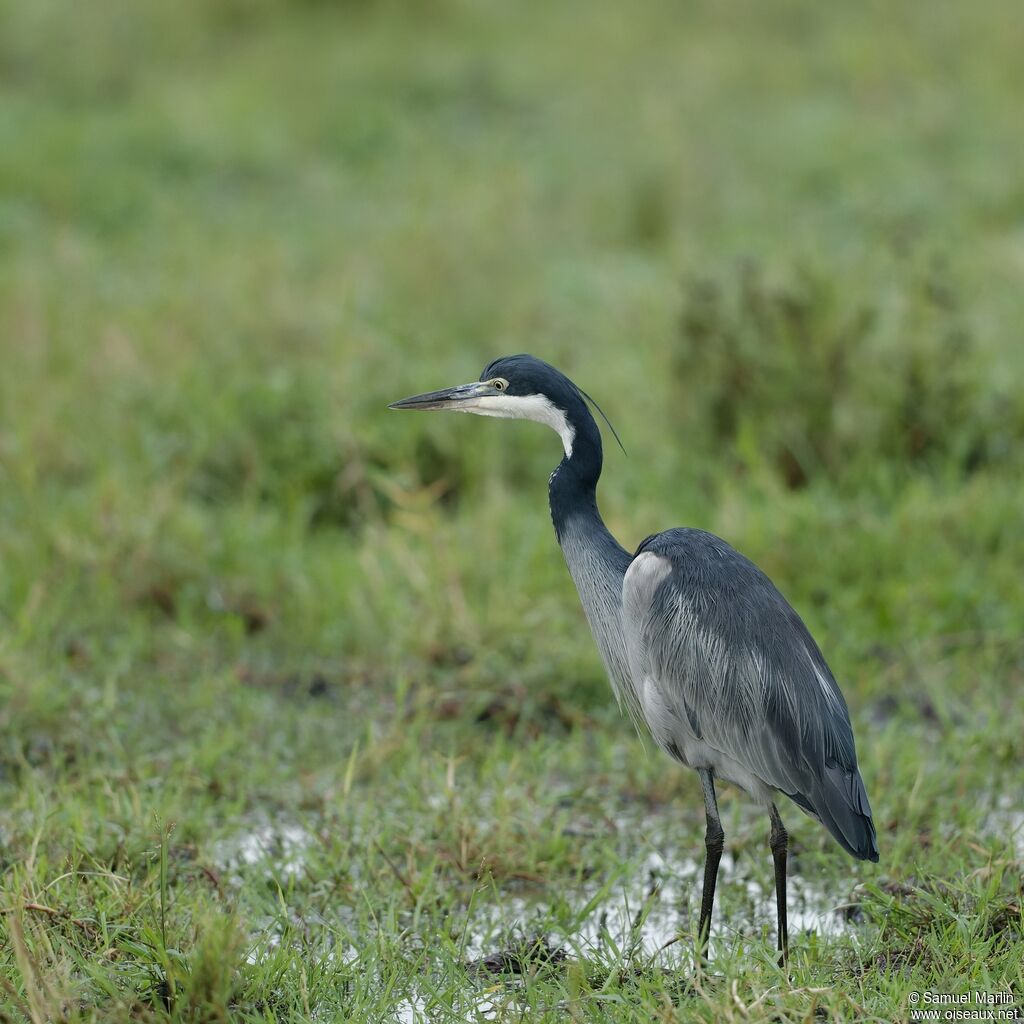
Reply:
x=737, y=667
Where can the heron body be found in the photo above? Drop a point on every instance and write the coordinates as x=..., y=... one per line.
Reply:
x=701, y=648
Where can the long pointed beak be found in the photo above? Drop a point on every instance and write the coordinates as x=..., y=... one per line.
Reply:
x=447, y=398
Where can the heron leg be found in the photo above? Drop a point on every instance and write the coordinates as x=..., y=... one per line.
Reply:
x=778, y=842
x=714, y=841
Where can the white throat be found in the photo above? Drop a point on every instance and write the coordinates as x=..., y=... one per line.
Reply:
x=538, y=408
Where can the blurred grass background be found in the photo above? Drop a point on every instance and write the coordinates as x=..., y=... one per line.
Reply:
x=782, y=245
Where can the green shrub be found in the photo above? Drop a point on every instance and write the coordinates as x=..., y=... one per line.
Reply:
x=816, y=380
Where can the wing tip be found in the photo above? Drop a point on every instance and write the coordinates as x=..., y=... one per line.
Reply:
x=841, y=804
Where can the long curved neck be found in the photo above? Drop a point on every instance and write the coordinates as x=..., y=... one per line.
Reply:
x=572, y=496
x=596, y=560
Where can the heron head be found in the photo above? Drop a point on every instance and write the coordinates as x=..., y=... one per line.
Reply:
x=514, y=387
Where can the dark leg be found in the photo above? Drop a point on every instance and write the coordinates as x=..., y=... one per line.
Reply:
x=778, y=841
x=714, y=840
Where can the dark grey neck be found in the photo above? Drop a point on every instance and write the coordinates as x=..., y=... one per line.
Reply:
x=596, y=560
x=572, y=492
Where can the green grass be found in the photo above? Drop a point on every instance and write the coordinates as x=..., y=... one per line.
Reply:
x=299, y=714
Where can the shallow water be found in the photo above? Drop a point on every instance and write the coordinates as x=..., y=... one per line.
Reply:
x=652, y=905
x=639, y=916
x=642, y=915
x=282, y=844
x=636, y=917
x=1006, y=820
